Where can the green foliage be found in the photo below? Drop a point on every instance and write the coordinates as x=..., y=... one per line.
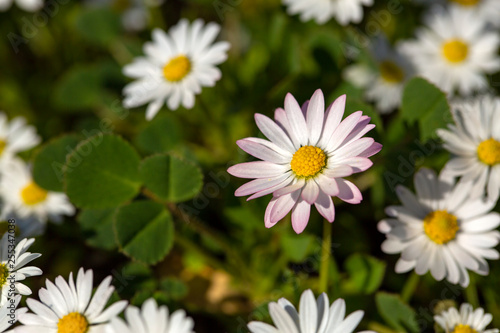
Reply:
x=161, y=135
x=296, y=247
x=97, y=226
x=366, y=274
x=102, y=172
x=48, y=164
x=396, y=313
x=98, y=25
x=144, y=231
x=170, y=178
x=174, y=288
x=425, y=104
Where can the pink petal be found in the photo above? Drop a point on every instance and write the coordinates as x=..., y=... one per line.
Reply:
x=262, y=152
x=291, y=188
x=348, y=192
x=296, y=119
x=258, y=169
x=300, y=216
x=273, y=132
x=271, y=189
x=315, y=114
x=361, y=129
x=283, y=206
x=281, y=119
x=333, y=117
x=327, y=185
x=267, y=215
x=372, y=150
x=310, y=192
x=357, y=164
x=337, y=171
x=354, y=148
x=325, y=207
x=343, y=130
x=260, y=184
x=270, y=145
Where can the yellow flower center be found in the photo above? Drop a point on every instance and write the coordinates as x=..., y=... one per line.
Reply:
x=3, y=144
x=440, y=226
x=33, y=194
x=488, y=151
x=391, y=72
x=455, y=50
x=4, y=274
x=466, y=2
x=73, y=322
x=177, y=68
x=308, y=161
x=463, y=329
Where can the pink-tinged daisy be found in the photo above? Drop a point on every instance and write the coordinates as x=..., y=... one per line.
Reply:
x=309, y=153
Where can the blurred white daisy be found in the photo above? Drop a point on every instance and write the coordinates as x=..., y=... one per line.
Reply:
x=152, y=319
x=177, y=65
x=16, y=136
x=66, y=307
x=24, y=227
x=314, y=316
x=474, y=141
x=467, y=320
x=27, y=5
x=7, y=318
x=441, y=229
x=455, y=51
x=321, y=11
x=383, y=83
x=309, y=152
x=24, y=198
x=14, y=269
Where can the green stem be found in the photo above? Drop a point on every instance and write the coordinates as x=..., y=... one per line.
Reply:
x=325, y=256
x=409, y=287
x=190, y=245
x=471, y=292
x=378, y=327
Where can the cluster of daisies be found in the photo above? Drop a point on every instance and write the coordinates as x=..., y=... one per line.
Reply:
x=21, y=198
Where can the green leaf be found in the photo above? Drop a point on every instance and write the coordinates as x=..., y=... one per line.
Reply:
x=365, y=274
x=175, y=289
x=78, y=89
x=102, y=172
x=160, y=135
x=48, y=164
x=97, y=226
x=396, y=313
x=296, y=247
x=99, y=25
x=144, y=231
x=171, y=178
x=424, y=103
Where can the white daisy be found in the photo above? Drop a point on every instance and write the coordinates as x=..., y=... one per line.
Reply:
x=66, y=307
x=152, y=319
x=321, y=11
x=27, y=5
x=303, y=163
x=442, y=229
x=176, y=66
x=474, y=141
x=455, y=51
x=13, y=266
x=385, y=82
x=16, y=136
x=24, y=198
x=314, y=316
x=467, y=320
x=9, y=313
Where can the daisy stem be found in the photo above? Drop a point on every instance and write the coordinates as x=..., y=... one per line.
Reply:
x=471, y=292
x=325, y=256
x=377, y=327
x=410, y=286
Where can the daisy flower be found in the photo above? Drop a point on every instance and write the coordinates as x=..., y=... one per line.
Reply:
x=465, y=321
x=314, y=316
x=321, y=11
x=8, y=317
x=27, y=5
x=16, y=136
x=474, y=141
x=24, y=198
x=13, y=266
x=455, y=51
x=383, y=83
x=309, y=152
x=66, y=307
x=441, y=229
x=175, y=68
x=152, y=319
